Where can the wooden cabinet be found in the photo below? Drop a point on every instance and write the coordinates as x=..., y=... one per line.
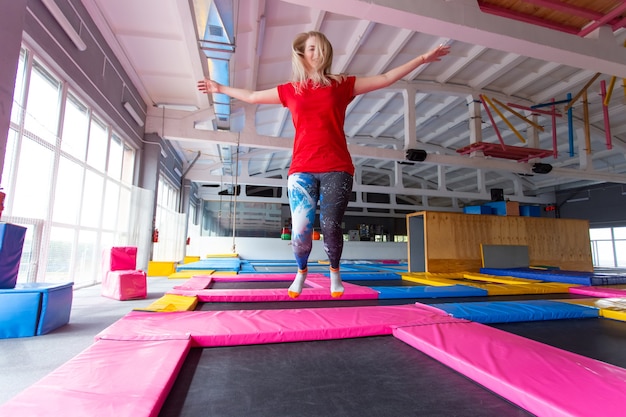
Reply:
x=450, y=242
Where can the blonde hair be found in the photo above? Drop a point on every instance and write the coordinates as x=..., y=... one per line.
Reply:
x=321, y=76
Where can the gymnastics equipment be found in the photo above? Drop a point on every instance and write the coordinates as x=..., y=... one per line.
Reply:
x=34, y=308
x=316, y=287
x=11, y=244
x=152, y=347
x=120, y=278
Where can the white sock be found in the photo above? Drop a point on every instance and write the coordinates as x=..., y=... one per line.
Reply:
x=336, y=287
x=296, y=286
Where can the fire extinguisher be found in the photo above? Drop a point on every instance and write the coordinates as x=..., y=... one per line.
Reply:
x=155, y=236
x=188, y=240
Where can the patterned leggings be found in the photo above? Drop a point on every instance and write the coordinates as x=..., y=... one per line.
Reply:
x=333, y=190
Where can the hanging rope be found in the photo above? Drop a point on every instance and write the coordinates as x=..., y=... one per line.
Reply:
x=235, y=189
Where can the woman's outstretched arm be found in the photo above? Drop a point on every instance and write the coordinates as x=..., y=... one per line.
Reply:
x=364, y=85
x=269, y=96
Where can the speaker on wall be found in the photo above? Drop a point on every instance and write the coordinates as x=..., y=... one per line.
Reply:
x=497, y=194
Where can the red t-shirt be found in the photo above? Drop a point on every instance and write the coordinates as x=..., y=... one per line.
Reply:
x=318, y=116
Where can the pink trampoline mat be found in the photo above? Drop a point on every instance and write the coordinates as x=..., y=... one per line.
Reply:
x=150, y=346
x=605, y=292
x=246, y=327
x=542, y=379
x=316, y=287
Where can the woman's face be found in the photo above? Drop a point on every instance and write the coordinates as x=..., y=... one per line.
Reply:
x=311, y=54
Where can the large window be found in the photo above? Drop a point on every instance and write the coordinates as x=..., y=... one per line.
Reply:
x=169, y=223
x=608, y=247
x=68, y=178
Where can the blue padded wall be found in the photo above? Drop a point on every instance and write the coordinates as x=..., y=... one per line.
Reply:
x=11, y=244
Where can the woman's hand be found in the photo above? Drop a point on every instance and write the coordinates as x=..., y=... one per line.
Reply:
x=208, y=86
x=436, y=54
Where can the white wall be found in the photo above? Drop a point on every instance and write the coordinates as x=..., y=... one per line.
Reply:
x=255, y=248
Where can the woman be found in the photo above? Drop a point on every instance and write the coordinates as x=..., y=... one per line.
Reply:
x=321, y=167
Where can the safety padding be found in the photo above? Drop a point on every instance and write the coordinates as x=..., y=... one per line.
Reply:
x=544, y=380
x=316, y=287
x=432, y=279
x=522, y=289
x=612, y=308
x=217, y=264
x=119, y=258
x=516, y=311
x=34, y=308
x=599, y=291
x=11, y=244
x=190, y=259
x=558, y=275
x=189, y=274
x=110, y=378
x=19, y=312
x=171, y=302
x=246, y=327
x=498, y=279
x=370, y=276
x=426, y=291
x=125, y=285
x=161, y=268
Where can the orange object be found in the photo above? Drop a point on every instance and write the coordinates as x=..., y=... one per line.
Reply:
x=316, y=235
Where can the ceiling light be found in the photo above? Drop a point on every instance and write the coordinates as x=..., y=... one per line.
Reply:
x=65, y=24
x=171, y=106
x=133, y=113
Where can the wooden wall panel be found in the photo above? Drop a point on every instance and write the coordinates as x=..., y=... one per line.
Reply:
x=452, y=240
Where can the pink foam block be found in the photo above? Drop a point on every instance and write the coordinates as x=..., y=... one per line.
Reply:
x=124, y=285
x=542, y=379
x=598, y=291
x=246, y=327
x=110, y=378
x=119, y=258
x=316, y=288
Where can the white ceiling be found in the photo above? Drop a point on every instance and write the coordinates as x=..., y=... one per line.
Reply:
x=505, y=60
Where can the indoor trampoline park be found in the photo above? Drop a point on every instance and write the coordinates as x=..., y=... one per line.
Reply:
x=313, y=208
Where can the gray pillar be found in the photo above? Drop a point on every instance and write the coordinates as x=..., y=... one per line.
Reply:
x=11, y=27
x=149, y=166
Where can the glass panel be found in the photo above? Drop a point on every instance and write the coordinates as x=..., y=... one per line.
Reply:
x=18, y=92
x=619, y=233
x=605, y=254
x=26, y=261
x=9, y=157
x=92, y=200
x=87, y=259
x=67, y=193
x=75, y=128
x=115, y=158
x=106, y=241
x=123, y=208
x=98, y=140
x=600, y=234
x=42, y=106
x=109, y=205
x=253, y=219
x=128, y=166
x=59, y=254
x=32, y=188
x=620, y=252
